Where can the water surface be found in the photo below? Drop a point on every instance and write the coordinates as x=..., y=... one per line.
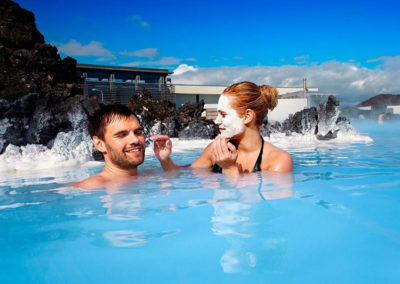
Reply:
x=335, y=220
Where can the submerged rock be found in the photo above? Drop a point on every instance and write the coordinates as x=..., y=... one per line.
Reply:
x=330, y=135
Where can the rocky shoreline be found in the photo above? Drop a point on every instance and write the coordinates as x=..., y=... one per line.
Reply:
x=40, y=95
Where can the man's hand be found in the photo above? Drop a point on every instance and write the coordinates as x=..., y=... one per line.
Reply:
x=162, y=146
x=162, y=150
x=225, y=154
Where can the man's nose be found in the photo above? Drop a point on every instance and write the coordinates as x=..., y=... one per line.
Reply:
x=133, y=139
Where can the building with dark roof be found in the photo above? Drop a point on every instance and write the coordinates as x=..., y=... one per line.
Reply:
x=118, y=84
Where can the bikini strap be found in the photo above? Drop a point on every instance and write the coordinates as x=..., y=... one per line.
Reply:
x=257, y=165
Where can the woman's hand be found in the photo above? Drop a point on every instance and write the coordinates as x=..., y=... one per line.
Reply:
x=225, y=154
x=162, y=146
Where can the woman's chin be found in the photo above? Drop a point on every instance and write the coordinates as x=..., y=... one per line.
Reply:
x=225, y=135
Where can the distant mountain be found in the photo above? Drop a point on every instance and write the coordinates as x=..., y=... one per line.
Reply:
x=381, y=101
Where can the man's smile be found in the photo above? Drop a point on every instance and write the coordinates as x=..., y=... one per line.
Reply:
x=134, y=150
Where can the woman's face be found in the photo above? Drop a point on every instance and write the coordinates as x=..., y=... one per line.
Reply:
x=228, y=120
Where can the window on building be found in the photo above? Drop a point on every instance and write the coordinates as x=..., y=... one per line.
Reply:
x=99, y=75
x=149, y=78
x=124, y=77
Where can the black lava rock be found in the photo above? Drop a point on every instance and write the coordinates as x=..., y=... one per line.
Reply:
x=197, y=130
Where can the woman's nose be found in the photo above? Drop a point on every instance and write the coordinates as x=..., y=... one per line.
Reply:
x=218, y=119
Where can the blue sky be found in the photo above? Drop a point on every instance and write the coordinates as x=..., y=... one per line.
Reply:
x=350, y=47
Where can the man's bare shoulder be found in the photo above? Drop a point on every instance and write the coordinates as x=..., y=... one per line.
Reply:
x=93, y=182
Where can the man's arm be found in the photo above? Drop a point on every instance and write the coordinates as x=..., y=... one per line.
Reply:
x=163, y=149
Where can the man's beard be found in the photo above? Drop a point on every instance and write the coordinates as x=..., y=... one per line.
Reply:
x=121, y=160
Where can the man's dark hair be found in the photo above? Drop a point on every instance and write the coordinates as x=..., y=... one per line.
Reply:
x=106, y=114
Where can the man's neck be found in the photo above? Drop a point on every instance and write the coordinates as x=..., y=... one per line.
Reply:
x=112, y=171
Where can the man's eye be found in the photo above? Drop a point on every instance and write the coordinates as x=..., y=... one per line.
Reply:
x=139, y=132
x=120, y=135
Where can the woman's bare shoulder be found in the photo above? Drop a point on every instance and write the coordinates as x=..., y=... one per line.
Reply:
x=276, y=160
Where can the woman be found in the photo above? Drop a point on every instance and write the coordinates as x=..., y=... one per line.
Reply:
x=239, y=148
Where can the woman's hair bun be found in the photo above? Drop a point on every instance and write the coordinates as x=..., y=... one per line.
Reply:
x=269, y=95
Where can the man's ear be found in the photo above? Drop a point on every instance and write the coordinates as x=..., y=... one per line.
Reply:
x=249, y=116
x=99, y=144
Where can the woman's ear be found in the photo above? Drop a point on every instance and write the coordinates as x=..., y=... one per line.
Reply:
x=99, y=144
x=249, y=116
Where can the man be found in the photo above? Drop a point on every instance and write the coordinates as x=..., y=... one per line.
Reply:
x=117, y=134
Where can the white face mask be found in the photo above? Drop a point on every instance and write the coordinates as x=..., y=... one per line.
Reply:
x=228, y=120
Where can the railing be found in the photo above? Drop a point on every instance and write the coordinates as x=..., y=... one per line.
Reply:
x=122, y=92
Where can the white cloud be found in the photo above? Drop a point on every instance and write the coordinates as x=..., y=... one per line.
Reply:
x=358, y=83
x=389, y=63
x=351, y=83
x=146, y=53
x=302, y=59
x=167, y=61
x=137, y=19
x=183, y=68
x=237, y=58
x=94, y=48
x=164, y=61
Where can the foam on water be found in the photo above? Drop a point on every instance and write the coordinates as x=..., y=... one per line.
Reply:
x=75, y=148
x=68, y=149
x=296, y=141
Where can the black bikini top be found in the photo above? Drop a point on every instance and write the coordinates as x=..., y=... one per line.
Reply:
x=257, y=166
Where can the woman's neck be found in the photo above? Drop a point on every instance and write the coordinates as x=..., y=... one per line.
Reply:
x=250, y=140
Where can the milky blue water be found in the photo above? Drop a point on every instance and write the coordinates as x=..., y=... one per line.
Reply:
x=335, y=220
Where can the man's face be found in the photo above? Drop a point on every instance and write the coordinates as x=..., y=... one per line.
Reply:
x=228, y=120
x=124, y=142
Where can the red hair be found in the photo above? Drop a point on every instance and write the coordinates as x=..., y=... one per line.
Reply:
x=251, y=96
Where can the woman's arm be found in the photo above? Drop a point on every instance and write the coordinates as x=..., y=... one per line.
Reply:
x=219, y=151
